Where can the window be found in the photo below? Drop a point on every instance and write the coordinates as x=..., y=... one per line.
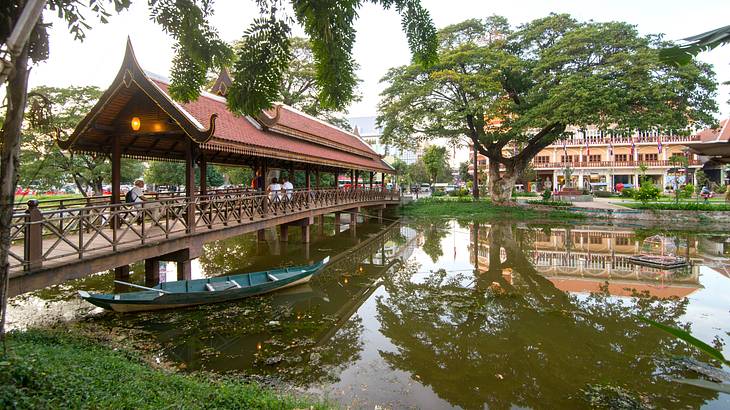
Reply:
x=621, y=157
x=564, y=158
x=595, y=240
x=594, y=158
x=542, y=159
x=650, y=157
x=622, y=241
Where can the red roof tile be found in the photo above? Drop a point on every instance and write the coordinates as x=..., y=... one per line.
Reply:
x=241, y=130
x=722, y=133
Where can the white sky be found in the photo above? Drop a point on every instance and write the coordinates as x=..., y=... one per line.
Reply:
x=381, y=43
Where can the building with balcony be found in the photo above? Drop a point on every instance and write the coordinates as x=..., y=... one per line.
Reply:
x=599, y=160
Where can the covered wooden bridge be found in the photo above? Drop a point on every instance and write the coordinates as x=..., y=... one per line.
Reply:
x=136, y=118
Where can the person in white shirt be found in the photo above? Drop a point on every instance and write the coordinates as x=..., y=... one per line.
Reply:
x=274, y=190
x=288, y=187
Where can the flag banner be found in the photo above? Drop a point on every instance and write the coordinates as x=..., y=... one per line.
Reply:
x=659, y=144
x=588, y=150
x=610, y=150
x=633, y=150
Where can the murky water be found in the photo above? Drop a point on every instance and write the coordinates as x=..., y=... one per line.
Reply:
x=450, y=313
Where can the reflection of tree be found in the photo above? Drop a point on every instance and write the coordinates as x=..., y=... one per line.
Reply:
x=523, y=342
x=228, y=255
x=433, y=230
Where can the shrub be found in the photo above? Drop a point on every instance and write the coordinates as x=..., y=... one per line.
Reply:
x=627, y=193
x=461, y=192
x=524, y=194
x=647, y=192
x=721, y=189
x=603, y=194
x=546, y=194
x=438, y=193
x=682, y=206
x=687, y=191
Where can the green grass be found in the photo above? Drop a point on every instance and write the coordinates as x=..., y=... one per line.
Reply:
x=21, y=198
x=467, y=207
x=51, y=369
x=682, y=206
x=551, y=203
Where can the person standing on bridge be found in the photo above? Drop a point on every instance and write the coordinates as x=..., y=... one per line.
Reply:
x=274, y=190
x=136, y=196
x=288, y=187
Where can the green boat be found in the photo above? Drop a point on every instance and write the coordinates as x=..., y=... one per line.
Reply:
x=170, y=295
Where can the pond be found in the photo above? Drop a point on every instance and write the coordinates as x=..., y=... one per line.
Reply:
x=447, y=314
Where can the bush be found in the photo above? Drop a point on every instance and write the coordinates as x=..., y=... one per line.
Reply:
x=603, y=194
x=627, y=193
x=682, y=206
x=438, y=193
x=550, y=203
x=524, y=194
x=687, y=191
x=461, y=192
x=721, y=189
x=546, y=194
x=647, y=192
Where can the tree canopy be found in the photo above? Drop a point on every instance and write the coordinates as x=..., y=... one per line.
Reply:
x=436, y=163
x=513, y=92
x=43, y=164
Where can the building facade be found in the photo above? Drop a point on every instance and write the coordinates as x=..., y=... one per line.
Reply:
x=367, y=129
x=599, y=161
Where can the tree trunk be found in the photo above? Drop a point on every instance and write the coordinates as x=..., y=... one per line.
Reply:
x=500, y=186
x=475, y=187
x=17, y=91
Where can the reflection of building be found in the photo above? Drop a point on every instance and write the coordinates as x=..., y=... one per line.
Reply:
x=599, y=159
x=583, y=259
x=367, y=129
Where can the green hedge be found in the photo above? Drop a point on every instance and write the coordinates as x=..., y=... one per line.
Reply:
x=551, y=203
x=682, y=206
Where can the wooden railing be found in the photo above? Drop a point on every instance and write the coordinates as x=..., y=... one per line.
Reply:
x=593, y=141
x=48, y=235
x=611, y=164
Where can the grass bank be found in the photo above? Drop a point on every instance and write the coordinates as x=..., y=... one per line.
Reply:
x=51, y=369
x=467, y=207
x=681, y=206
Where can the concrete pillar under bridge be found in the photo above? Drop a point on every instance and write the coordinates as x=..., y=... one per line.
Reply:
x=304, y=223
x=151, y=272
x=183, y=258
x=338, y=221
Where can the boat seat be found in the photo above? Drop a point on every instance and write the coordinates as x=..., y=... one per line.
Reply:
x=272, y=277
x=219, y=286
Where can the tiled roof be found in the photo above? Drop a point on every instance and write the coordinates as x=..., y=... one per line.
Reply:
x=244, y=132
x=722, y=133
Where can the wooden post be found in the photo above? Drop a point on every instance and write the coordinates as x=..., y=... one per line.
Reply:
x=189, y=188
x=353, y=223
x=337, y=221
x=203, y=175
x=382, y=181
x=371, y=179
x=352, y=179
x=151, y=272
x=261, y=235
x=265, y=198
x=33, y=246
x=336, y=182
x=116, y=181
x=305, y=233
x=184, y=269
x=321, y=225
x=284, y=233
x=316, y=179
x=122, y=273
x=307, y=183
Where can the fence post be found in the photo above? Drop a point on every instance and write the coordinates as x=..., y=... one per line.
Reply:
x=33, y=240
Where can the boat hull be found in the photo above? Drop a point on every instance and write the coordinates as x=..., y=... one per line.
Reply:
x=126, y=306
x=172, y=295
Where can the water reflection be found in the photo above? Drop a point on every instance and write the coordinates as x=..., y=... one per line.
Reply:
x=469, y=314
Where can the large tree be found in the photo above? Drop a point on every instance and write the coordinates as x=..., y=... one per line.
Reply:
x=43, y=164
x=198, y=49
x=437, y=165
x=512, y=93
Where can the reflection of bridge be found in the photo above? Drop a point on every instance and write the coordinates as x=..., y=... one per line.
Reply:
x=59, y=244
x=584, y=259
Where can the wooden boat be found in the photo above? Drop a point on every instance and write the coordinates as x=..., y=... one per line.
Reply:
x=170, y=295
